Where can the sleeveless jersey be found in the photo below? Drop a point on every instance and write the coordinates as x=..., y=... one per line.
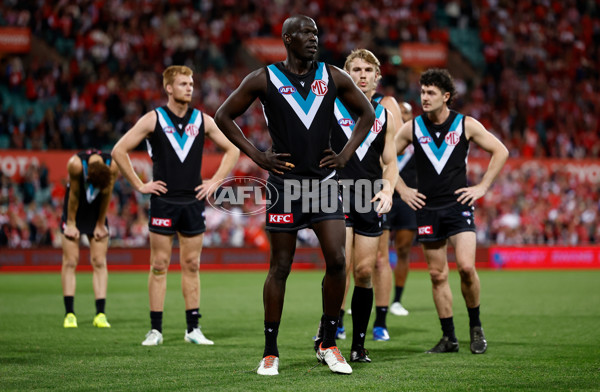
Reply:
x=365, y=162
x=176, y=147
x=298, y=111
x=441, y=152
x=89, y=202
x=406, y=164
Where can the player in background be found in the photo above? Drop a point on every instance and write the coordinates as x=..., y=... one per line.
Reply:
x=92, y=176
x=175, y=136
x=443, y=200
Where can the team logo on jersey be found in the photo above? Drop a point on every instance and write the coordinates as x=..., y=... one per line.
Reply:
x=377, y=127
x=286, y=90
x=452, y=138
x=466, y=213
x=191, y=130
x=281, y=218
x=425, y=230
x=319, y=87
x=425, y=139
x=169, y=129
x=346, y=122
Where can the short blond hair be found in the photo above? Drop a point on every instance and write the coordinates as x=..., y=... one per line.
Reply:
x=174, y=70
x=365, y=55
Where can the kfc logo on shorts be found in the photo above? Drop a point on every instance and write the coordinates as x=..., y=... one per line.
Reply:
x=377, y=127
x=425, y=140
x=346, y=122
x=169, y=129
x=452, y=138
x=281, y=218
x=286, y=90
x=161, y=222
x=425, y=230
x=319, y=87
x=191, y=130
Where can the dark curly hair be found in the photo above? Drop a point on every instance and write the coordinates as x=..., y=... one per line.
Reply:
x=441, y=79
x=98, y=175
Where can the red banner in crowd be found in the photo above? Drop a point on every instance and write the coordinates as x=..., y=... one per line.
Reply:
x=266, y=49
x=15, y=39
x=416, y=54
x=549, y=257
x=14, y=163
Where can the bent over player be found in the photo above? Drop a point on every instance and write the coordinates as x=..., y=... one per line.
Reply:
x=91, y=179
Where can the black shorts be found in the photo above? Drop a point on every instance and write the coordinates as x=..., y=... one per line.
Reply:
x=367, y=223
x=436, y=224
x=400, y=217
x=84, y=225
x=296, y=204
x=170, y=216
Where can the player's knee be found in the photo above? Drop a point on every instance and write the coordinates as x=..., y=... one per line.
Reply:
x=70, y=263
x=438, y=277
x=190, y=264
x=280, y=271
x=363, y=274
x=98, y=262
x=336, y=267
x=159, y=266
x=467, y=273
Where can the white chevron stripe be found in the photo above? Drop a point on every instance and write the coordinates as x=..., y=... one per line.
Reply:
x=361, y=151
x=181, y=152
x=441, y=163
x=306, y=118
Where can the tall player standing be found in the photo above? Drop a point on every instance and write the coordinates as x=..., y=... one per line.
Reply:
x=175, y=137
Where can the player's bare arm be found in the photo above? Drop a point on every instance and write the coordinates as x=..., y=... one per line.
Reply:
x=75, y=170
x=410, y=196
x=100, y=230
x=129, y=141
x=357, y=102
x=253, y=86
x=230, y=156
x=476, y=132
x=390, y=168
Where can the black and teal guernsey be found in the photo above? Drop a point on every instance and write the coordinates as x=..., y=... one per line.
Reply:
x=89, y=202
x=176, y=147
x=365, y=163
x=298, y=111
x=441, y=156
x=406, y=164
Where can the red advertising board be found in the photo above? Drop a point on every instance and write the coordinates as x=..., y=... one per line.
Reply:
x=417, y=54
x=15, y=39
x=536, y=257
x=266, y=49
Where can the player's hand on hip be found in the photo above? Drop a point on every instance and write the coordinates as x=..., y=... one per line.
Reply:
x=71, y=232
x=413, y=198
x=154, y=187
x=207, y=189
x=470, y=194
x=332, y=160
x=384, y=202
x=100, y=232
x=275, y=162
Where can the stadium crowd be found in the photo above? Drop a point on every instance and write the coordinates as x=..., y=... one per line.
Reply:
x=537, y=91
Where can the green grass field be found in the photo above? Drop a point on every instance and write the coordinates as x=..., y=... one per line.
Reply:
x=543, y=330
